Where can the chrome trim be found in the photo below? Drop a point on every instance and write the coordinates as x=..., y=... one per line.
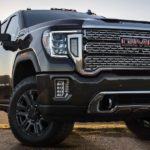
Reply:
x=94, y=104
x=67, y=31
x=125, y=92
x=115, y=27
x=96, y=72
x=79, y=60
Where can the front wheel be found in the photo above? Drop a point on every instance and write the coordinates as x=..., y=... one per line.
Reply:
x=26, y=121
x=140, y=127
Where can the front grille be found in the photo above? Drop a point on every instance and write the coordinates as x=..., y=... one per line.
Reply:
x=92, y=63
x=102, y=49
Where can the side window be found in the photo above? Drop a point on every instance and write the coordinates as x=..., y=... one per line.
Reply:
x=13, y=27
x=3, y=27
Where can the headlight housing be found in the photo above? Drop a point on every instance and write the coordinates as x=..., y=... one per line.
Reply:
x=56, y=42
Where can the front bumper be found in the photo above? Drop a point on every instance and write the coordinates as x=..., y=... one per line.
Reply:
x=83, y=90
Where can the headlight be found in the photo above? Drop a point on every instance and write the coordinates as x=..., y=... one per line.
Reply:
x=56, y=42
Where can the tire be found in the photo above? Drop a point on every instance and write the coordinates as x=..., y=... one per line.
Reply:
x=140, y=127
x=26, y=122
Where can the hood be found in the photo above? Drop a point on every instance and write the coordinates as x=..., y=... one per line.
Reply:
x=116, y=24
x=94, y=23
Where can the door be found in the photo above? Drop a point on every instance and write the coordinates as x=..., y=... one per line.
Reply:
x=7, y=60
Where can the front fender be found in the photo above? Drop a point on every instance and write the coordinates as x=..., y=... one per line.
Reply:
x=26, y=55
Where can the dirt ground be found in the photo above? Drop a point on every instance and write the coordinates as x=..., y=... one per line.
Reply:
x=82, y=139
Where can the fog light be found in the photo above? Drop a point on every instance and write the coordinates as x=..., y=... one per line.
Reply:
x=61, y=88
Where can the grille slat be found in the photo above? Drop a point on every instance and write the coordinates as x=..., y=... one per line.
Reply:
x=113, y=48
x=101, y=34
x=94, y=62
x=103, y=50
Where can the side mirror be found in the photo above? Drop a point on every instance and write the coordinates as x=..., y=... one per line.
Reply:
x=10, y=45
x=6, y=41
x=4, y=36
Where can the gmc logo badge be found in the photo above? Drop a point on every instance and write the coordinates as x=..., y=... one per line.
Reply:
x=135, y=42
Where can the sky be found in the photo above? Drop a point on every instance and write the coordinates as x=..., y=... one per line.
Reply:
x=123, y=9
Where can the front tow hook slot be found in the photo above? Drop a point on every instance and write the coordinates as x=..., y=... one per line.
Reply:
x=106, y=104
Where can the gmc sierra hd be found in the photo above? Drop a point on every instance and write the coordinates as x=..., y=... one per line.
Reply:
x=60, y=66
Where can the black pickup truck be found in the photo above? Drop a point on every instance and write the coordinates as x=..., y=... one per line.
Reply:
x=60, y=66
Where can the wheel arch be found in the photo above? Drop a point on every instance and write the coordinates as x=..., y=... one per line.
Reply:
x=25, y=65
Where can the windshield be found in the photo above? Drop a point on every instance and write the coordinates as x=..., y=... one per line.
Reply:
x=39, y=16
